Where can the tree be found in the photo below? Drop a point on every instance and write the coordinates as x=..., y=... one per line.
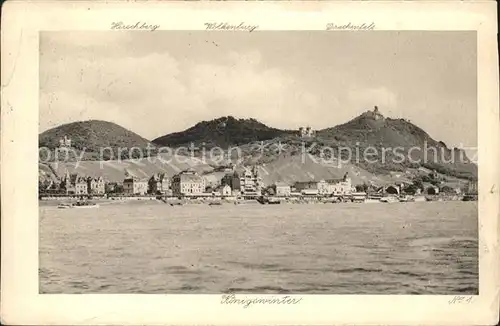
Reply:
x=427, y=178
x=447, y=190
x=362, y=188
x=419, y=184
x=411, y=189
x=435, y=182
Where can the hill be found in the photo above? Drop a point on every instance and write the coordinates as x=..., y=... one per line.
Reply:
x=405, y=145
x=91, y=136
x=401, y=148
x=222, y=132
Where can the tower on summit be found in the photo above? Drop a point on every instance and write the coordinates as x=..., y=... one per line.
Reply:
x=65, y=142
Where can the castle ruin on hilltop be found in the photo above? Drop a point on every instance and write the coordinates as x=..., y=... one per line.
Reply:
x=65, y=142
x=306, y=132
x=374, y=114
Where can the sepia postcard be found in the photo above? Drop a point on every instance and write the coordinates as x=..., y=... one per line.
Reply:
x=266, y=163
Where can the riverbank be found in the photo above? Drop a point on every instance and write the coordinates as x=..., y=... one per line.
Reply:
x=231, y=201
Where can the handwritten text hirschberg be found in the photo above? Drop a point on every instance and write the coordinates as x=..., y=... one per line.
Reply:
x=136, y=26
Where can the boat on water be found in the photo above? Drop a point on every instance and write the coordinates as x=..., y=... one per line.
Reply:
x=273, y=201
x=373, y=198
x=406, y=199
x=215, y=203
x=85, y=204
x=469, y=198
x=78, y=204
x=358, y=197
x=389, y=199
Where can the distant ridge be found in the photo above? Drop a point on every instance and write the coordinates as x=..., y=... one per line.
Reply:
x=222, y=132
x=370, y=129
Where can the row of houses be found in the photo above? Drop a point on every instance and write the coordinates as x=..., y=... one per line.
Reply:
x=328, y=187
x=81, y=185
x=341, y=186
x=247, y=183
x=184, y=183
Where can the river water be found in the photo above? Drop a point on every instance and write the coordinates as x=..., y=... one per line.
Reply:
x=150, y=247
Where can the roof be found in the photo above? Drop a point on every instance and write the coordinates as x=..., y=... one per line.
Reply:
x=281, y=184
x=159, y=177
x=306, y=182
x=190, y=178
x=135, y=179
x=222, y=187
x=75, y=178
x=81, y=180
x=334, y=180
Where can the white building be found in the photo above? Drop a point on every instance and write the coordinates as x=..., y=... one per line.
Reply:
x=282, y=189
x=134, y=186
x=341, y=186
x=225, y=190
x=188, y=183
x=251, y=182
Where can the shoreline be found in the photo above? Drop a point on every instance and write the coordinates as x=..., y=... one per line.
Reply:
x=223, y=202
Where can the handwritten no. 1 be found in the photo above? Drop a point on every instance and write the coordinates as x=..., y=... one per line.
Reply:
x=461, y=299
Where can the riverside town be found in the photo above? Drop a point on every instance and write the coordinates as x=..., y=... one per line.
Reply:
x=247, y=185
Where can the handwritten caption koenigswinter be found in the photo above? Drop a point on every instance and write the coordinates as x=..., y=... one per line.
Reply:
x=245, y=302
x=221, y=26
x=139, y=26
x=350, y=27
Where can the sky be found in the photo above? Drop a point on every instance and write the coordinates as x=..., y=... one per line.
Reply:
x=155, y=83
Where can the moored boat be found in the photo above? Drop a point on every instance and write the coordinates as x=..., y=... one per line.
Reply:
x=406, y=199
x=273, y=201
x=358, y=197
x=389, y=199
x=469, y=198
x=85, y=204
